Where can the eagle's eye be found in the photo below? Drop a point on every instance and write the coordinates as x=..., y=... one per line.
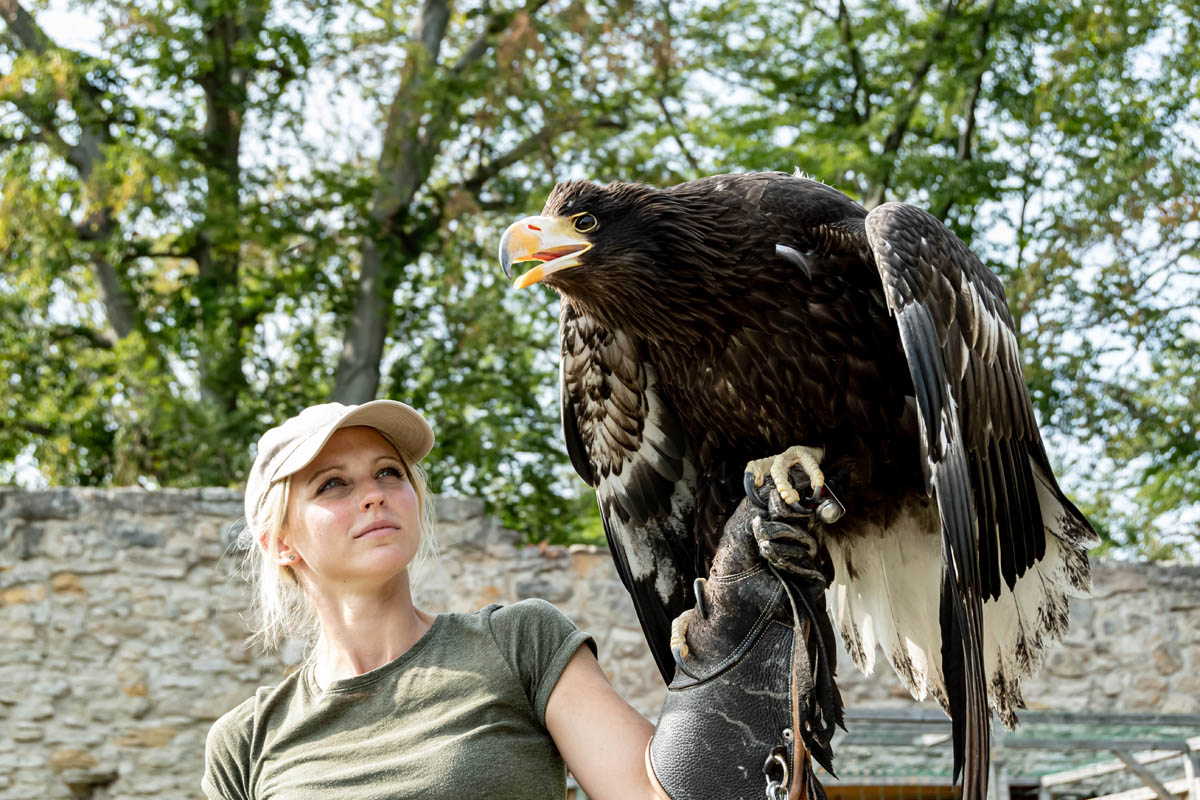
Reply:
x=585, y=222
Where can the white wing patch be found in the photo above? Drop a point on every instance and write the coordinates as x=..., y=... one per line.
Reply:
x=886, y=593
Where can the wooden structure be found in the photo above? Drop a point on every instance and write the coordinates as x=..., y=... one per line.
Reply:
x=1051, y=755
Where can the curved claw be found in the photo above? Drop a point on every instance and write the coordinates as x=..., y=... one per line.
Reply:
x=678, y=656
x=698, y=591
x=748, y=483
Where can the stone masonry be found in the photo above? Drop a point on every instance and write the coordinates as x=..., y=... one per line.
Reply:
x=122, y=637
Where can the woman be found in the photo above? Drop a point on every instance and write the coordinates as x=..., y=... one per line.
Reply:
x=395, y=702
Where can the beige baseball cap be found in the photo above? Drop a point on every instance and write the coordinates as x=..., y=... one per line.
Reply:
x=288, y=448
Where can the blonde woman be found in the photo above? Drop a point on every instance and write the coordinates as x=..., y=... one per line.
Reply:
x=395, y=702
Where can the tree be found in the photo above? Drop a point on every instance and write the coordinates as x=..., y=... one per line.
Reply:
x=192, y=250
x=183, y=242
x=1060, y=141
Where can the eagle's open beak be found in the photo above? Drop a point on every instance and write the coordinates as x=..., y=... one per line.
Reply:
x=550, y=240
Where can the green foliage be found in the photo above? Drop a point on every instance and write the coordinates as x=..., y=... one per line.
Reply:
x=196, y=167
x=231, y=169
x=1060, y=141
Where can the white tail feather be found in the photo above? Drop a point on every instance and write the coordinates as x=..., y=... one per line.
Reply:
x=886, y=592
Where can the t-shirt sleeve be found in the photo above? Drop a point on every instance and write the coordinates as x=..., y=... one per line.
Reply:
x=537, y=640
x=227, y=756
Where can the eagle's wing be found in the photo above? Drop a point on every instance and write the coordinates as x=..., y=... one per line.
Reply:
x=985, y=463
x=624, y=439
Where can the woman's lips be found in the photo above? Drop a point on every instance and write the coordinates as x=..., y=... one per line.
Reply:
x=377, y=529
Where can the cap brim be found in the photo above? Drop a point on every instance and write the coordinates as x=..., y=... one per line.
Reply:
x=400, y=424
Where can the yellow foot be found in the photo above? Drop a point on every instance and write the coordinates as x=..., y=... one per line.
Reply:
x=809, y=460
x=679, y=627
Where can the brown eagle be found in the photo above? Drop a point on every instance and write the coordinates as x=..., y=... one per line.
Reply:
x=707, y=325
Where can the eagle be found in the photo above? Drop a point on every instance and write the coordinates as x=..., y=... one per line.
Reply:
x=713, y=324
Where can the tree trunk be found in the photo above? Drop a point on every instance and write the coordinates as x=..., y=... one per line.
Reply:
x=221, y=324
x=405, y=161
x=412, y=138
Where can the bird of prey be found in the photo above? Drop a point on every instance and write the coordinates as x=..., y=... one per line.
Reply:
x=710, y=324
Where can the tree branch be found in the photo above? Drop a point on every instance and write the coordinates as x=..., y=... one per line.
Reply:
x=99, y=223
x=405, y=161
x=120, y=310
x=663, y=63
x=411, y=141
x=968, y=131
x=98, y=340
x=33, y=427
x=9, y=142
x=530, y=145
x=497, y=21
x=895, y=136
x=967, y=135
x=24, y=27
x=687, y=154
x=856, y=63
x=84, y=154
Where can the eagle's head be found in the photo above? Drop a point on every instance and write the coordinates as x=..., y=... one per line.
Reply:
x=610, y=241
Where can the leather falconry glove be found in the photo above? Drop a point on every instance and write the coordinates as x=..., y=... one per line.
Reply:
x=754, y=700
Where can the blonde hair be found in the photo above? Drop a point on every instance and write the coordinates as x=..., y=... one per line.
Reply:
x=280, y=610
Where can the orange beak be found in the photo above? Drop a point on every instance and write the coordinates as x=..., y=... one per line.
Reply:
x=550, y=241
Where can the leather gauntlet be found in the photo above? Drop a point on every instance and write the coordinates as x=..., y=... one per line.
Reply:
x=754, y=700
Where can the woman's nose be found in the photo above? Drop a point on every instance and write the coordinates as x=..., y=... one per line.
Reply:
x=372, y=495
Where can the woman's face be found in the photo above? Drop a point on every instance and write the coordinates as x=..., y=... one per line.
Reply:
x=352, y=513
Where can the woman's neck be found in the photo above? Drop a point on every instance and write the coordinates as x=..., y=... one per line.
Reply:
x=362, y=632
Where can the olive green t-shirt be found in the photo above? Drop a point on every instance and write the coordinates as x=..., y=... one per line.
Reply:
x=461, y=714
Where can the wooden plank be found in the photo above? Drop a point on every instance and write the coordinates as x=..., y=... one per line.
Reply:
x=891, y=791
x=927, y=716
x=1104, y=768
x=1191, y=771
x=1147, y=777
x=1059, y=745
x=828, y=780
x=1174, y=787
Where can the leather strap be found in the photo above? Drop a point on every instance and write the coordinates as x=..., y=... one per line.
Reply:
x=801, y=758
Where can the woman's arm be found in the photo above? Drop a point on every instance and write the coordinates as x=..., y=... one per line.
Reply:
x=600, y=736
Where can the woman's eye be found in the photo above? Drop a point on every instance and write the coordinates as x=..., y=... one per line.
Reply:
x=392, y=471
x=329, y=484
x=585, y=223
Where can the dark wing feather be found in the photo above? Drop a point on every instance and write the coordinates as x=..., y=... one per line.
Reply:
x=977, y=438
x=624, y=440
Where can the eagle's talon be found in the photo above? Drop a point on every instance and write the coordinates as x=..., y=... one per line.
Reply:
x=679, y=656
x=751, y=483
x=698, y=591
x=679, y=647
x=808, y=459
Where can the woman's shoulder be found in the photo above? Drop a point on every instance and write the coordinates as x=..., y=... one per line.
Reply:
x=526, y=628
x=532, y=610
x=498, y=618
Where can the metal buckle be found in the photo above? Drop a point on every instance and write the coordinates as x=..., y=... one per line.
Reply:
x=776, y=789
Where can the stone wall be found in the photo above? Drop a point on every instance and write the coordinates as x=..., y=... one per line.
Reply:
x=121, y=635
